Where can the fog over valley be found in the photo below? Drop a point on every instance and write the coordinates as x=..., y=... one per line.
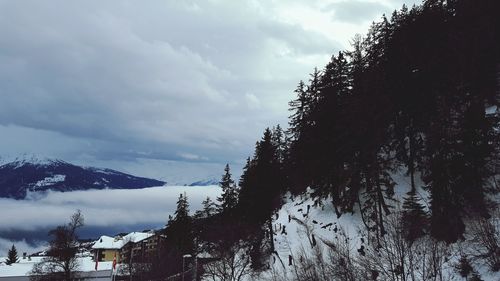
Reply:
x=106, y=212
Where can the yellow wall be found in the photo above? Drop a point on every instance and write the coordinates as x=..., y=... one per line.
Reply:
x=108, y=255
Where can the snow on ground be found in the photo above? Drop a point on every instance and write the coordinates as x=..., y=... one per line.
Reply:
x=24, y=266
x=26, y=158
x=491, y=110
x=88, y=264
x=50, y=180
x=321, y=220
x=301, y=217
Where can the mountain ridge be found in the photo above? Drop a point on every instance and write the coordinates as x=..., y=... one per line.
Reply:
x=34, y=174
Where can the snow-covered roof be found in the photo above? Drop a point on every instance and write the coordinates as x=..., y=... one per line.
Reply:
x=106, y=242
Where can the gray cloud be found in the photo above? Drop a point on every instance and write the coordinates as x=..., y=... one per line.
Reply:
x=356, y=11
x=25, y=223
x=194, y=81
x=168, y=79
x=22, y=246
x=100, y=207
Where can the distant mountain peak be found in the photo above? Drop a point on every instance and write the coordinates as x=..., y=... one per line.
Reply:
x=29, y=159
x=205, y=182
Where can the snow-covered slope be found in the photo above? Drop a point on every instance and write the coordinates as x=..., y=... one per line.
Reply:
x=304, y=223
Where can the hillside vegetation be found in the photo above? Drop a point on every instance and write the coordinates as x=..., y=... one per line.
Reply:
x=402, y=131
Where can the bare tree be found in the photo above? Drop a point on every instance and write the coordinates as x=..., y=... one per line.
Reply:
x=393, y=257
x=232, y=264
x=322, y=259
x=61, y=262
x=342, y=261
x=485, y=240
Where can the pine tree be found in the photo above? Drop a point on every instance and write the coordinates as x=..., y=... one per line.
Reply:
x=441, y=175
x=476, y=147
x=180, y=235
x=279, y=141
x=182, y=210
x=260, y=196
x=229, y=197
x=302, y=162
x=12, y=256
x=209, y=209
x=414, y=217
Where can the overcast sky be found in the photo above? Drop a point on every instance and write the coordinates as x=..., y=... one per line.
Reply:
x=133, y=85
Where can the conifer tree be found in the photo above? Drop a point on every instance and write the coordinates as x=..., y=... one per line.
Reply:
x=260, y=196
x=414, y=217
x=179, y=228
x=182, y=210
x=209, y=209
x=229, y=197
x=180, y=236
x=12, y=256
x=441, y=176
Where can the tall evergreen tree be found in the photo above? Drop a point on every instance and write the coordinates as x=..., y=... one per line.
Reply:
x=179, y=231
x=229, y=197
x=182, y=210
x=260, y=196
x=413, y=218
x=12, y=256
x=446, y=207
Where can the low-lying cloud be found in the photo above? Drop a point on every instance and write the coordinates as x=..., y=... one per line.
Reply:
x=102, y=209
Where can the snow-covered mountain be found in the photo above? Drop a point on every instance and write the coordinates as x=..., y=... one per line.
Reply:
x=31, y=174
x=205, y=182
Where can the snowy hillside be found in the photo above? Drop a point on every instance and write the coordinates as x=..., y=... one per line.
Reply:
x=305, y=227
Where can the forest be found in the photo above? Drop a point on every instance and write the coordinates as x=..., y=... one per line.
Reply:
x=419, y=93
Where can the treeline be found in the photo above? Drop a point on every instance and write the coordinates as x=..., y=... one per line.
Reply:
x=411, y=96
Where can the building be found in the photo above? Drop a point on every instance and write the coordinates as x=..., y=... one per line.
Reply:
x=130, y=247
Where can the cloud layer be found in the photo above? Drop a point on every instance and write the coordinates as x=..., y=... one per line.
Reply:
x=192, y=81
x=25, y=223
x=100, y=207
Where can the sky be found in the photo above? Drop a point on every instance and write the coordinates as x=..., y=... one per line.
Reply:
x=161, y=88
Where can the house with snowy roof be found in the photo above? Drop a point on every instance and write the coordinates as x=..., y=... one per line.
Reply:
x=131, y=245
